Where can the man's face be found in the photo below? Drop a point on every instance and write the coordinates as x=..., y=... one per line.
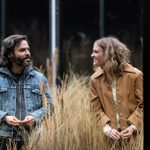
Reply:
x=21, y=55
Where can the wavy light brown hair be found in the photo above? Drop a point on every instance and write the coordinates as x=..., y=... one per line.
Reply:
x=117, y=55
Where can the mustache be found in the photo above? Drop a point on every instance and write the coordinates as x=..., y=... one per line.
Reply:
x=24, y=62
x=28, y=57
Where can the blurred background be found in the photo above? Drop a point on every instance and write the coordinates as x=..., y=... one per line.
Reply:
x=71, y=26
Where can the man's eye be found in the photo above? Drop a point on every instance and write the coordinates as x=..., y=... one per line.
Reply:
x=21, y=50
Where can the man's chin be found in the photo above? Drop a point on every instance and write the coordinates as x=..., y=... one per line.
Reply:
x=27, y=62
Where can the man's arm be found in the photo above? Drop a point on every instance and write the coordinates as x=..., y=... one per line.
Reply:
x=46, y=109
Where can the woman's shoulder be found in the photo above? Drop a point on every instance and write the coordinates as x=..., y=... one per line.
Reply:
x=131, y=69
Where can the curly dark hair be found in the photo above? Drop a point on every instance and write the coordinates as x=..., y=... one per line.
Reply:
x=8, y=45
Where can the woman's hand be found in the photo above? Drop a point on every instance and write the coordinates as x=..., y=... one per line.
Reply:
x=113, y=134
x=127, y=133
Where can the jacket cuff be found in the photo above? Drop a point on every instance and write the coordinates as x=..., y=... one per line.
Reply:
x=134, y=127
x=106, y=128
x=2, y=115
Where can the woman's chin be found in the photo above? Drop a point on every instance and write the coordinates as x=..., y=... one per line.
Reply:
x=95, y=64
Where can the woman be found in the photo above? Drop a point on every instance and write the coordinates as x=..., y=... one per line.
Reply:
x=116, y=91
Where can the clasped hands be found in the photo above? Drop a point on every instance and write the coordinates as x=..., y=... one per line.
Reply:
x=116, y=135
x=12, y=120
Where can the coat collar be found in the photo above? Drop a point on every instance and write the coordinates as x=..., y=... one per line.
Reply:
x=128, y=68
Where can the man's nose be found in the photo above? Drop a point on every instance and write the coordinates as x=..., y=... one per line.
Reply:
x=27, y=52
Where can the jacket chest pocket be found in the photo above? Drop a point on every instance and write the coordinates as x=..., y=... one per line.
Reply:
x=7, y=98
x=3, y=96
x=33, y=96
x=36, y=96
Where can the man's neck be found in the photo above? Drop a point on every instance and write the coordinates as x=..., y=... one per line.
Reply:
x=16, y=69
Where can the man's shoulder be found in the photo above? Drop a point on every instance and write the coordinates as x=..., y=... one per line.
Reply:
x=37, y=72
x=4, y=71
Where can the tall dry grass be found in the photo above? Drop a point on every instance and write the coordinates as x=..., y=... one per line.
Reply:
x=71, y=127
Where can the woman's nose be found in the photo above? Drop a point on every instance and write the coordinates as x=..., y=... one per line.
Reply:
x=92, y=55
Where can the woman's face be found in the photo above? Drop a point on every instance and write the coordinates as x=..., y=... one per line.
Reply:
x=97, y=55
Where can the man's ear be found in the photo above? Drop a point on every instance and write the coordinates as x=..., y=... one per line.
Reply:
x=10, y=55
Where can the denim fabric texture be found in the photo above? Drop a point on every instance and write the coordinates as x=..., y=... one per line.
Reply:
x=31, y=95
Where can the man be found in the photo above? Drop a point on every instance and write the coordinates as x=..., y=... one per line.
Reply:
x=21, y=103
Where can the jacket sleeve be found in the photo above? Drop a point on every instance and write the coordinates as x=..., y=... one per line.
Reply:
x=136, y=118
x=45, y=110
x=96, y=106
x=2, y=115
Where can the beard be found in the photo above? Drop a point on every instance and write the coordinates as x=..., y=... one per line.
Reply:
x=23, y=62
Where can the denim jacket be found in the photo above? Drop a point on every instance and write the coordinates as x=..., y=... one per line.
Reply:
x=32, y=97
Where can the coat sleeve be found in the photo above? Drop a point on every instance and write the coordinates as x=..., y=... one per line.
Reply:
x=96, y=106
x=136, y=118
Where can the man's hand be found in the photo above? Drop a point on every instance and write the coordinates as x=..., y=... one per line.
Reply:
x=12, y=120
x=125, y=134
x=29, y=121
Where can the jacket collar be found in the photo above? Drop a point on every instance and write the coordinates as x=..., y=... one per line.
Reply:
x=27, y=71
x=100, y=71
x=129, y=68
